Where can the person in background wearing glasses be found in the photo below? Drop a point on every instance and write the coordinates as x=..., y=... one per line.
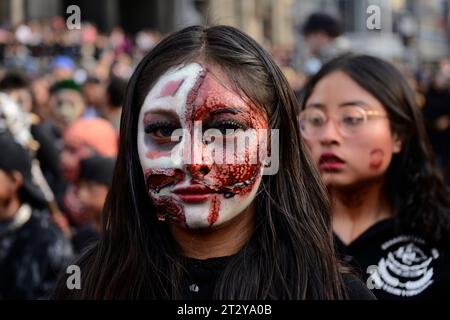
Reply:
x=390, y=207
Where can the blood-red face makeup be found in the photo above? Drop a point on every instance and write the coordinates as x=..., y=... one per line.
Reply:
x=195, y=172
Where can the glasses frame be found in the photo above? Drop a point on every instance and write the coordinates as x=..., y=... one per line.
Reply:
x=366, y=115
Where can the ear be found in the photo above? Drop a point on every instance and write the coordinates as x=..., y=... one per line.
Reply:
x=17, y=179
x=397, y=143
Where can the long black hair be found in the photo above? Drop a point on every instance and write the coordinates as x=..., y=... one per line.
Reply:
x=414, y=186
x=290, y=254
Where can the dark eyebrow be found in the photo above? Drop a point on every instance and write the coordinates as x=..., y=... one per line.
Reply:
x=225, y=110
x=353, y=103
x=169, y=113
x=315, y=105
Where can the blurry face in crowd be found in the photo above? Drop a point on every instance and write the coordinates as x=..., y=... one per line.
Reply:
x=62, y=73
x=71, y=155
x=40, y=88
x=316, y=41
x=23, y=98
x=92, y=197
x=9, y=188
x=346, y=149
x=93, y=94
x=67, y=105
x=204, y=193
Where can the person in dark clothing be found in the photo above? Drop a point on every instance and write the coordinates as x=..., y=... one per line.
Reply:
x=390, y=206
x=437, y=116
x=18, y=88
x=115, y=95
x=321, y=32
x=43, y=131
x=32, y=250
x=92, y=187
x=398, y=265
x=265, y=224
x=205, y=274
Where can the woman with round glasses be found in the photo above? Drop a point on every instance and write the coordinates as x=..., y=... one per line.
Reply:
x=390, y=207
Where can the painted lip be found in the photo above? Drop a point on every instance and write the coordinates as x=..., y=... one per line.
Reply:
x=195, y=193
x=330, y=162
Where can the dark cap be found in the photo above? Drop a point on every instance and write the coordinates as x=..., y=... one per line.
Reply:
x=97, y=169
x=14, y=157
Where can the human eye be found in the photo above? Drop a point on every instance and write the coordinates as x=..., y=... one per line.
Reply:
x=352, y=120
x=160, y=131
x=352, y=117
x=314, y=119
x=227, y=126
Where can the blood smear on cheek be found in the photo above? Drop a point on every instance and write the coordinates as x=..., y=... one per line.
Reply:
x=214, y=210
x=169, y=209
x=376, y=159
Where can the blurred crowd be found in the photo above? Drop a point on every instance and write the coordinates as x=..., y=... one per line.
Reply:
x=61, y=93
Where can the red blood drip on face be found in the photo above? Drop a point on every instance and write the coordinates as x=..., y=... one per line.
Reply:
x=171, y=88
x=210, y=94
x=214, y=210
x=168, y=208
x=376, y=159
x=156, y=179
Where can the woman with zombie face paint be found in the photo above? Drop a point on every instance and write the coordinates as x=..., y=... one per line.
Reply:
x=182, y=222
x=389, y=206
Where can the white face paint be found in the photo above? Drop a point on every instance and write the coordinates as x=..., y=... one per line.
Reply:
x=204, y=194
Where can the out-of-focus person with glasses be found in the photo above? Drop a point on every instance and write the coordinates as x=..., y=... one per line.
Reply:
x=390, y=208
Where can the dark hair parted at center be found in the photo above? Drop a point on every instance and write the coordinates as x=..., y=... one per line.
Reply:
x=290, y=254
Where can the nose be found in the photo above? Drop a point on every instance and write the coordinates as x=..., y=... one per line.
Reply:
x=198, y=171
x=330, y=134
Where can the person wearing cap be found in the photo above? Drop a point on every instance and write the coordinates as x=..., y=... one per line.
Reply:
x=92, y=188
x=32, y=250
x=67, y=103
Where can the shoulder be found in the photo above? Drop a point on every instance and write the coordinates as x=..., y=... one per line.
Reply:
x=44, y=234
x=355, y=288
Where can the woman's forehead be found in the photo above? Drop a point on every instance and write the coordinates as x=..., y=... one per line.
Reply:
x=191, y=86
x=338, y=88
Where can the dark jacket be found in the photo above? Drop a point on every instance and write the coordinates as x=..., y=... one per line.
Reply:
x=32, y=254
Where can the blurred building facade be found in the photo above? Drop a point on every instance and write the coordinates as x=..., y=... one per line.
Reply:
x=261, y=18
x=409, y=28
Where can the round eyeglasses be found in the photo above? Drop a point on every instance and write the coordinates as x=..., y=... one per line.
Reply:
x=350, y=120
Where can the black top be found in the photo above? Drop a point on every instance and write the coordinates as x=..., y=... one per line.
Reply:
x=32, y=254
x=205, y=273
x=398, y=265
x=83, y=238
